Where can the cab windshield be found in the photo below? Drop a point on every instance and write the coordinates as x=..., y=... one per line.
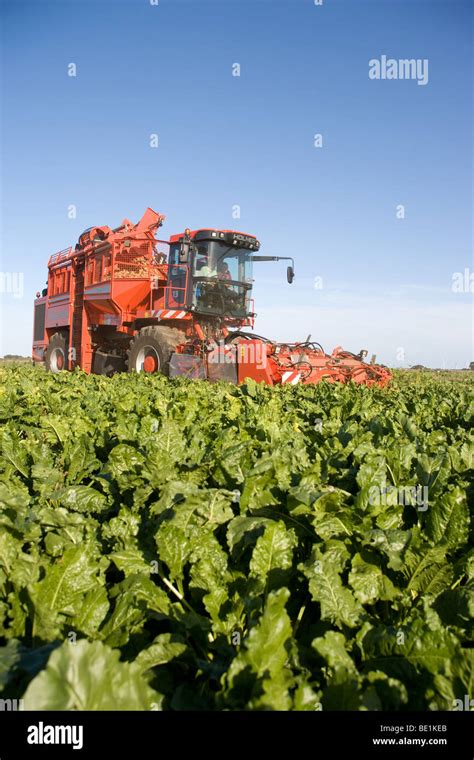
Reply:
x=222, y=279
x=214, y=259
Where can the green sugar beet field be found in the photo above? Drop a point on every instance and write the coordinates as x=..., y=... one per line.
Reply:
x=172, y=545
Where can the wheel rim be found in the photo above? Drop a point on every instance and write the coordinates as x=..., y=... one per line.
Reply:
x=147, y=360
x=57, y=360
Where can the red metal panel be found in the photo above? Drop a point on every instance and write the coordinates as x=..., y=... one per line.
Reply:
x=57, y=316
x=253, y=362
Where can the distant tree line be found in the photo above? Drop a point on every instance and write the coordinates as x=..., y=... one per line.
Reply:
x=437, y=369
x=15, y=357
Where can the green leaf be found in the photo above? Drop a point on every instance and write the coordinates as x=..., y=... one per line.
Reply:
x=137, y=599
x=10, y=656
x=68, y=580
x=421, y=644
x=391, y=543
x=338, y=604
x=454, y=690
x=174, y=548
x=80, y=499
x=130, y=561
x=165, y=647
x=257, y=677
x=243, y=531
x=427, y=571
x=447, y=519
x=14, y=450
x=273, y=555
x=332, y=648
x=369, y=583
x=65, y=589
x=456, y=607
x=92, y=612
x=89, y=676
x=392, y=694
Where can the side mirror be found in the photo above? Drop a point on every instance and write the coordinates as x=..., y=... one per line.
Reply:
x=290, y=275
x=184, y=253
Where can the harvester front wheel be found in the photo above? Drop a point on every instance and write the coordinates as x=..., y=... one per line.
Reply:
x=150, y=350
x=55, y=356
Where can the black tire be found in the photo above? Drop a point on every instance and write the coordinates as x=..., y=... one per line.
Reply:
x=55, y=356
x=154, y=344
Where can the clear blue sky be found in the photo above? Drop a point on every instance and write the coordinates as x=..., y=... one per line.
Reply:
x=248, y=140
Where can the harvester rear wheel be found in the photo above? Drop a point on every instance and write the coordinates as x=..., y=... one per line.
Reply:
x=150, y=350
x=55, y=356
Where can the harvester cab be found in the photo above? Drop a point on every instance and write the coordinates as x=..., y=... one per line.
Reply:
x=210, y=274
